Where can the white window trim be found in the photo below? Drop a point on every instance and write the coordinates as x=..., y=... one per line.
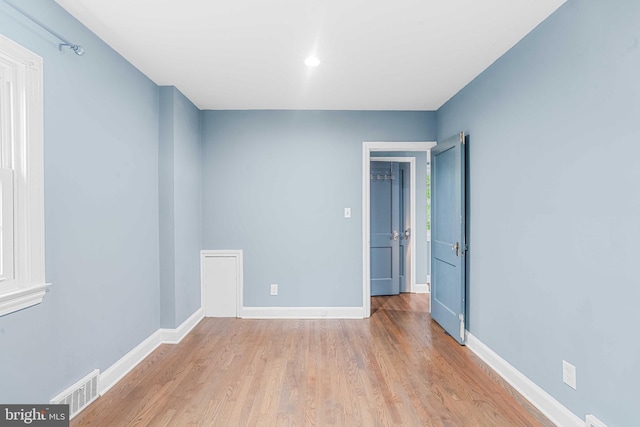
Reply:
x=28, y=286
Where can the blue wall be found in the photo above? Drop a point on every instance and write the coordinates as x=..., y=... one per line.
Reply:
x=180, y=207
x=188, y=206
x=554, y=204
x=166, y=207
x=275, y=184
x=101, y=124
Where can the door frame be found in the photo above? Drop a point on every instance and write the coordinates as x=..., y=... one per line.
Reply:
x=367, y=148
x=238, y=255
x=412, y=210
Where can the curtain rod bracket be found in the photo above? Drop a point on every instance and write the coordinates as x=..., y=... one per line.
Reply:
x=79, y=50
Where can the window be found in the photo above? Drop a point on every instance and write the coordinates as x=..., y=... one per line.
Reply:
x=6, y=224
x=21, y=179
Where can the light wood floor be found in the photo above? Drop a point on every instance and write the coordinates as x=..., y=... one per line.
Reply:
x=397, y=368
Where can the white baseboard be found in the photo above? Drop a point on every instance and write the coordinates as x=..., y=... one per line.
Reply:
x=550, y=407
x=301, y=313
x=174, y=336
x=110, y=376
x=122, y=367
x=421, y=289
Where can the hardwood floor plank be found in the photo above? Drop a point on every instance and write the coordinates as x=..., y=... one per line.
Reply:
x=397, y=368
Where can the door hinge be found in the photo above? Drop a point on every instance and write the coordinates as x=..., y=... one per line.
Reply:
x=461, y=317
x=461, y=137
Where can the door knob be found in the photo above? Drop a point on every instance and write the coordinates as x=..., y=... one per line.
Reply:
x=456, y=248
x=407, y=233
x=395, y=234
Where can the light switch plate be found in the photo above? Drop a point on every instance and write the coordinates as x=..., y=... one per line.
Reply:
x=347, y=212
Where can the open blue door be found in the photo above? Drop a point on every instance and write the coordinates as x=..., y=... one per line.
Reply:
x=448, y=243
x=385, y=221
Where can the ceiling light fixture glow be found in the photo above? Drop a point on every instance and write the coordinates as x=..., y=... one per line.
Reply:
x=312, y=61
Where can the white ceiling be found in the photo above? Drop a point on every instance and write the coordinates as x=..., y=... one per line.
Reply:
x=375, y=54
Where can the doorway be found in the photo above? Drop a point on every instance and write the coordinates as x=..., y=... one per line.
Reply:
x=393, y=148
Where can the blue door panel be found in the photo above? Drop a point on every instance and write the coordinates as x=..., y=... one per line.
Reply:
x=448, y=236
x=447, y=204
x=445, y=275
x=382, y=268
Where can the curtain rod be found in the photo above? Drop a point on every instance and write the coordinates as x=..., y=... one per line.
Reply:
x=79, y=50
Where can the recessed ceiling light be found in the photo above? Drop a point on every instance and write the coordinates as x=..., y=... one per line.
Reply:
x=312, y=61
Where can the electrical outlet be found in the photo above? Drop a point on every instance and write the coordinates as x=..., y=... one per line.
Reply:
x=569, y=374
x=274, y=289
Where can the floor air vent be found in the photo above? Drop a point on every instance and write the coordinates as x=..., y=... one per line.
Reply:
x=79, y=395
x=592, y=421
